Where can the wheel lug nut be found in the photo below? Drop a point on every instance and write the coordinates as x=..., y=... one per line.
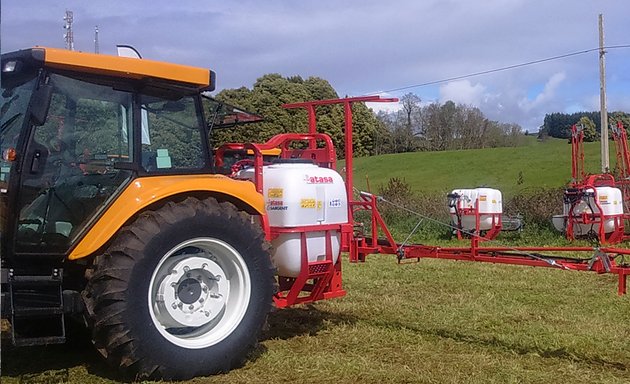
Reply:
x=207, y=313
x=191, y=307
x=201, y=300
x=174, y=306
x=186, y=268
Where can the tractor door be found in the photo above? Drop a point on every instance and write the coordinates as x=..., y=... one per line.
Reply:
x=68, y=173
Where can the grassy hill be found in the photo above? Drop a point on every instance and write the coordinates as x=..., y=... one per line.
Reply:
x=536, y=164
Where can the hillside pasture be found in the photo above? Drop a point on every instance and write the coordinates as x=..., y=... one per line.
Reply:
x=535, y=165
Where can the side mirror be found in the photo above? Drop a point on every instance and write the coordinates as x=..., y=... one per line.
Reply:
x=40, y=103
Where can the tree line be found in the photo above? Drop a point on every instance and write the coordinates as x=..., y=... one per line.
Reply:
x=413, y=128
x=558, y=124
x=439, y=127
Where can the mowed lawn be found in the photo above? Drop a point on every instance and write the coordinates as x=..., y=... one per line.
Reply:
x=428, y=322
x=435, y=321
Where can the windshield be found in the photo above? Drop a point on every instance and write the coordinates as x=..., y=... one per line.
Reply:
x=14, y=101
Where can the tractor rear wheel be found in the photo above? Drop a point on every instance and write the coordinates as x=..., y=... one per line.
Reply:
x=182, y=291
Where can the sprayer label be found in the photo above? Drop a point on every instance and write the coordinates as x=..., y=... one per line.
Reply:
x=307, y=203
x=482, y=198
x=318, y=179
x=276, y=205
x=334, y=203
x=275, y=193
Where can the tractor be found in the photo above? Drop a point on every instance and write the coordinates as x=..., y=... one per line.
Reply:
x=112, y=213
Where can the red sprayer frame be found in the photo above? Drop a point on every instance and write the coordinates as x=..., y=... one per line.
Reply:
x=583, y=184
x=623, y=164
x=322, y=280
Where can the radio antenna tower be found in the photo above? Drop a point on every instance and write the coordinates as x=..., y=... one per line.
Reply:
x=69, y=36
x=96, y=50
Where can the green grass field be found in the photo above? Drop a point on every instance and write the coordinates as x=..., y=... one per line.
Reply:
x=435, y=321
x=540, y=164
x=428, y=322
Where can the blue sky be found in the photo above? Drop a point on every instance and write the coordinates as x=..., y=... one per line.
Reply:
x=366, y=46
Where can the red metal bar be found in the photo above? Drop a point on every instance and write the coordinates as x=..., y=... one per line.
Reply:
x=347, y=106
x=620, y=251
x=577, y=155
x=279, y=141
x=502, y=255
x=358, y=99
x=623, y=154
x=312, y=118
x=623, y=281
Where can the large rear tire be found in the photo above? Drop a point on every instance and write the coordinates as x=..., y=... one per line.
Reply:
x=183, y=291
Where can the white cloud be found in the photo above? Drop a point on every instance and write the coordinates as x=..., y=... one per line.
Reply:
x=547, y=94
x=463, y=92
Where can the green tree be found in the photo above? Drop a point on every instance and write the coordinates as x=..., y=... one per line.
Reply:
x=438, y=127
x=590, y=134
x=271, y=91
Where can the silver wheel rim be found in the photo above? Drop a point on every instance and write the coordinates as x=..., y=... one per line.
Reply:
x=199, y=292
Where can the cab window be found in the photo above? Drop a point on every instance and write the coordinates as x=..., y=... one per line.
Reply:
x=171, y=135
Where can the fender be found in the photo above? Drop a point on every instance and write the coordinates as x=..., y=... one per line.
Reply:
x=144, y=191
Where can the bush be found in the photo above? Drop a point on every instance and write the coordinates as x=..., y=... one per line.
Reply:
x=536, y=206
x=402, y=203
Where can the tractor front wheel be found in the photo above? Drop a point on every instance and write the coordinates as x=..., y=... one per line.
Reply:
x=183, y=291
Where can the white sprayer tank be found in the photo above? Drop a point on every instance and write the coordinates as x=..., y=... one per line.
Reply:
x=611, y=201
x=490, y=203
x=302, y=194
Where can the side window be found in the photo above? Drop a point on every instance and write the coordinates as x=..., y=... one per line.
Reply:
x=90, y=131
x=74, y=177
x=171, y=135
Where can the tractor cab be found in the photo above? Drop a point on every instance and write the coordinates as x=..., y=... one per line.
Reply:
x=77, y=128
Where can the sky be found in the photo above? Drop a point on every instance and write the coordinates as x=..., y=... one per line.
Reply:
x=366, y=47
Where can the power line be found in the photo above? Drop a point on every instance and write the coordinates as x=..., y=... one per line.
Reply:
x=502, y=68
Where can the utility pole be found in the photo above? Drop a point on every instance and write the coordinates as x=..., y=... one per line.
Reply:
x=602, y=98
x=69, y=36
x=96, y=50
